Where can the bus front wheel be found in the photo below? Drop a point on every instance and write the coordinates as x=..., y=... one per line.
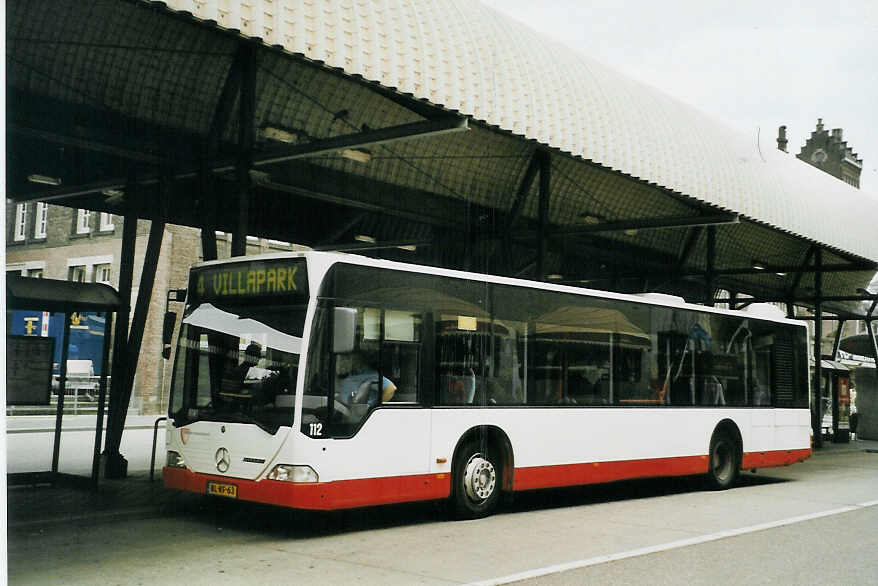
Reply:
x=477, y=476
x=723, y=461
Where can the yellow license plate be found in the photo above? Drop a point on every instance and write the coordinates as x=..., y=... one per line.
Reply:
x=222, y=489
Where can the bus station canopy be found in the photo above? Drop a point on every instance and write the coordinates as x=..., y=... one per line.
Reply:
x=59, y=296
x=441, y=133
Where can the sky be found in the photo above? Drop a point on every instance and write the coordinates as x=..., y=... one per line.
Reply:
x=753, y=65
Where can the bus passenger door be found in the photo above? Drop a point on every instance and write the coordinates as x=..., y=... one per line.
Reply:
x=378, y=417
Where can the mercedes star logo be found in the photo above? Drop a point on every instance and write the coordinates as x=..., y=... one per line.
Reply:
x=222, y=460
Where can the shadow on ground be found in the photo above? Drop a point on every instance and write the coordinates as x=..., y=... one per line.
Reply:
x=278, y=522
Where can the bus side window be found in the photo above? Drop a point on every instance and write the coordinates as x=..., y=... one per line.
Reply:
x=400, y=363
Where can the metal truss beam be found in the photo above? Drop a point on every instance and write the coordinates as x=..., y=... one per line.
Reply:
x=387, y=135
x=689, y=246
x=84, y=144
x=645, y=224
x=379, y=245
x=382, y=136
x=838, y=318
x=802, y=270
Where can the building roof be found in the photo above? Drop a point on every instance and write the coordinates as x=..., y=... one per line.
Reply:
x=468, y=58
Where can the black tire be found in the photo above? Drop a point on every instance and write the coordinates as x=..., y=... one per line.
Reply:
x=476, y=480
x=723, y=461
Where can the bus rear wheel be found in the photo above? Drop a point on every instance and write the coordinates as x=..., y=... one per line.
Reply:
x=723, y=461
x=476, y=478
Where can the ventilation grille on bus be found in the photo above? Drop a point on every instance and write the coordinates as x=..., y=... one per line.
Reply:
x=784, y=365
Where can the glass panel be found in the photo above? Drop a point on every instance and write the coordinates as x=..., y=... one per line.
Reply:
x=20, y=221
x=315, y=413
x=240, y=344
x=42, y=214
x=387, y=349
x=462, y=358
x=77, y=273
x=635, y=379
x=82, y=221
x=234, y=374
x=102, y=273
x=106, y=222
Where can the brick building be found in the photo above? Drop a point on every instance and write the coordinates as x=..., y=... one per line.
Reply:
x=830, y=153
x=55, y=242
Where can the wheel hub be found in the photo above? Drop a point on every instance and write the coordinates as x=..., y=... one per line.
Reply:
x=480, y=478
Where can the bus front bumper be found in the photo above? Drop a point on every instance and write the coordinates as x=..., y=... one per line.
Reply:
x=317, y=496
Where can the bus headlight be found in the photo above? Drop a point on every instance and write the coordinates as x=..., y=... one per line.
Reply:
x=291, y=473
x=175, y=460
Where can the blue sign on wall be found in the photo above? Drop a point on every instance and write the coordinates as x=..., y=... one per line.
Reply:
x=86, y=333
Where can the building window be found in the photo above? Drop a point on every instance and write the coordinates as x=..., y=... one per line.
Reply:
x=87, y=269
x=30, y=268
x=76, y=273
x=20, y=221
x=41, y=219
x=107, y=222
x=83, y=218
x=103, y=274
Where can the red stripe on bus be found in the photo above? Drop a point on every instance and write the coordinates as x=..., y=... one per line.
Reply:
x=346, y=494
x=774, y=458
x=598, y=472
x=342, y=494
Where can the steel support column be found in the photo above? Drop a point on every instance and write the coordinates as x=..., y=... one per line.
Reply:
x=221, y=115
x=835, y=411
x=545, y=184
x=246, y=137
x=62, y=390
x=816, y=406
x=709, y=276
x=873, y=340
x=517, y=206
x=114, y=464
x=837, y=342
x=132, y=351
x=102, y=399
x=141, y=308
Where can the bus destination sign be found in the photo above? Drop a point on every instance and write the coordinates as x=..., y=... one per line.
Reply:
x=252, y=279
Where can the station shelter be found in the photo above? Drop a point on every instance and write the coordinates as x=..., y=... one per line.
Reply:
x=31, y=356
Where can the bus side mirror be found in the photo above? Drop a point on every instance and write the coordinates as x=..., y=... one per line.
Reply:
x=168, y=332
x=344, y=329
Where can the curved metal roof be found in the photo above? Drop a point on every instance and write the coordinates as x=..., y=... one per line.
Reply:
x=467, y=57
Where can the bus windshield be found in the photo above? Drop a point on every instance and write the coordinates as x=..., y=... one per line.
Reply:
x=238, y=354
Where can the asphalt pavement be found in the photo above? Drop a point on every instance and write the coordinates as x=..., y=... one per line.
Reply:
x=71, y=499
x=808, y=523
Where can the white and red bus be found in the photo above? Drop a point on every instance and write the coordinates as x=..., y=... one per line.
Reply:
x=327, y=381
